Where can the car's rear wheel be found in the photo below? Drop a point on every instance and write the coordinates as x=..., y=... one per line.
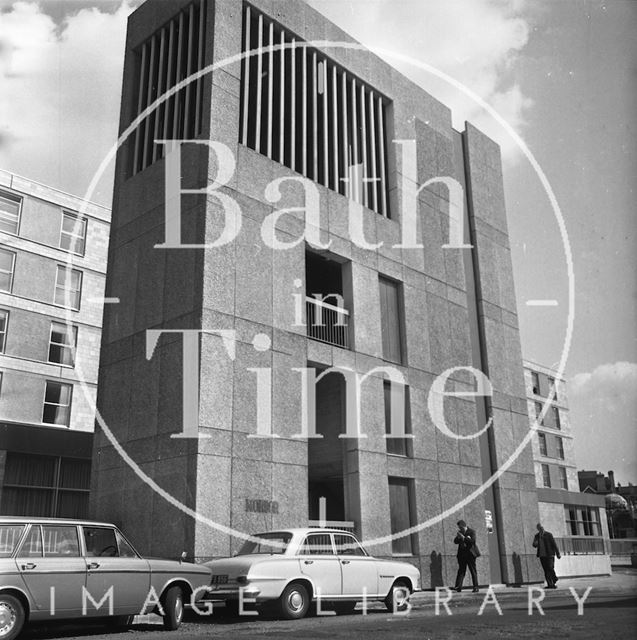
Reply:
x=12, y=616
x=294, y=601
x=343, y=608
x=173, y=604
x=398, y=597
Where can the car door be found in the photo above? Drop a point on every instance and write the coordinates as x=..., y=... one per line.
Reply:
x=358, y=570
x=112, y=562
x=318, y=562
x=53, y=569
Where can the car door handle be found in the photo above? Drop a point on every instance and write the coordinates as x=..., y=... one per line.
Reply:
x=28, y=566
x=308, y=561
x=344, y=561
x=93, y=565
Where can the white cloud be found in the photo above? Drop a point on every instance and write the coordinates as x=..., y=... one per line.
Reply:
x=476, y=42
x=61, y=84
x=603, y=406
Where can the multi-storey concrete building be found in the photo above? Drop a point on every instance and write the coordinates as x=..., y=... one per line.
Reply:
x=577, y=520
x=53, y=250
x=367, y=271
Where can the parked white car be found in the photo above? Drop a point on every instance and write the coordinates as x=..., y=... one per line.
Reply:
x=294, y=567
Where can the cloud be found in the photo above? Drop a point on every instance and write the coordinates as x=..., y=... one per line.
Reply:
x=61, y=86
x=603, y=418
x=476, y=42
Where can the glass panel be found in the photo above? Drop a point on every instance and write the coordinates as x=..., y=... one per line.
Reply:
x=9, y=213
x=270, y=543
x=32, y=546
x=100, y=541
x=60, y=541
x=75, y=474
x=400, y=514
x=348, y=546
x=125, y=550
x=9, y=537
x=319, y=544
x=30, y=470
x=27, y=502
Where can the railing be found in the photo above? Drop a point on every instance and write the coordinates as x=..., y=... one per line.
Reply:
x=342, y=525
x=583, y=546
x=623, y=546
x=327, y=323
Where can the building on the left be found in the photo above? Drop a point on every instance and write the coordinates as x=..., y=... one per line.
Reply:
x=53, y=250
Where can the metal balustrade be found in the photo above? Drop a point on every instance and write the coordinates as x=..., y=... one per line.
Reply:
x=582, y=546
x=327, y=323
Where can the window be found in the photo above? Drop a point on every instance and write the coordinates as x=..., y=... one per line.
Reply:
x=125, y=549
x=401, y=511
x=538, y=413
x=170, y=55
x=348, y=546
x=7, y=264
x=269, y=543
x=541, y=438
x=60, y=541
x=563, y=478
x=62, y=343
x=556, y=418
x=10, y=206
x=73, y=233
x=391, y=319
x=318, y=544
x=4, y=321
x=57, y=403
x=45, y=486
x=535, y=383
x=32, y=546
x=303, y=110
x=546, y=475
x=100, y=541
x=10, y=535
x=553, y=388
x=400, y=445
x=582, y=521
x=559, y=446
x=68, y=287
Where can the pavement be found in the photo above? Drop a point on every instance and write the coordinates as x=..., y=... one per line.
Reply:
x=622, y=582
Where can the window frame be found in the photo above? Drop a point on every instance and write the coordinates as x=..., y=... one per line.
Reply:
x=12, y=272
x=400, y=320
x=69, y=406
x=9, y=195
x=541, y=437
x=563, y=477
x=73, y=236
x=411, y=514
x=72, y=347
x=556, y=417
x=546, y=476
x=559, y=447
x=63, y=268
x=535, y=383
x=4, y=332
x=405, y=443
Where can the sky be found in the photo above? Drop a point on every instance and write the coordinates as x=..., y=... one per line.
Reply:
x=562, y=73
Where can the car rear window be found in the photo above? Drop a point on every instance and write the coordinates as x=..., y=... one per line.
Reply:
x=9, y=537
x=268, y=543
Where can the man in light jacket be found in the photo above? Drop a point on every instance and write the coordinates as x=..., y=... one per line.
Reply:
x=547, y=549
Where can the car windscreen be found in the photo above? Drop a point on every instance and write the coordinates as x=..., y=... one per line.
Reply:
x=9, y=537
x=267, y=543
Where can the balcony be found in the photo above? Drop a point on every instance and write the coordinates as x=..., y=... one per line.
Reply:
x=327, y=323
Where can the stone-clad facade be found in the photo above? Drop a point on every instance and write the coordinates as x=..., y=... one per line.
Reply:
x=455, y=308
x=49, y=345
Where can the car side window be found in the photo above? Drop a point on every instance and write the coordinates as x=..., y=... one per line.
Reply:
x=318, y=544
x=60, y=541
x=348, y=546
x=100, y=542
x=125, y=550
x=9, y=537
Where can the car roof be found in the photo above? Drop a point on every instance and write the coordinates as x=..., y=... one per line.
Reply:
x=32, y=520
x=304, y=530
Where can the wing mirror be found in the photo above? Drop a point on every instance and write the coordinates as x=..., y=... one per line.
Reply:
x=182, y=557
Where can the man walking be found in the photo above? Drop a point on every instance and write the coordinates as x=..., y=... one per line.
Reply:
x=546, y=552
x=467, y=554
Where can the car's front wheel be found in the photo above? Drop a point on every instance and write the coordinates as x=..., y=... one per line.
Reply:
x=12, y=616
x=398, y=597
x=173, y=605
x=294, y=602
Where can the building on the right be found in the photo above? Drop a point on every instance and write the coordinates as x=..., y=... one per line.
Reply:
x=577, y=520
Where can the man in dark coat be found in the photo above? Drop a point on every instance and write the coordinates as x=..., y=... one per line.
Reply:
x=547, y=549
x=467, y=554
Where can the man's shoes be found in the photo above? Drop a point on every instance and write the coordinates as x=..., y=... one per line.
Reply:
x=457, y=589
x=555, y=581
x=475, y=590
x=551, y=586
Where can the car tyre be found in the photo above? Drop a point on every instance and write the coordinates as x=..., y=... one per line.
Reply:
x=294, y=602
x=173, y=605
x=12, y=616
x=343, y=608
x=399, y=601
